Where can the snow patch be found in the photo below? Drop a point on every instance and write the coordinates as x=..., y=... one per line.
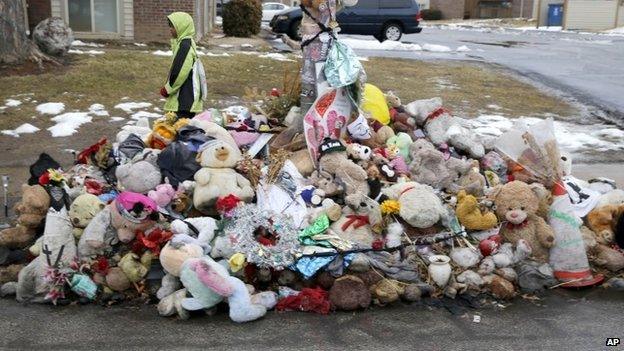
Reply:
x=225, y=46
x=145, y=114
x=140, y=45
x=25, y=128
x=117, y=119
x=247, y=45
x=361, y=44
x=12, y=103
x=50, y=108
x=98, y=110
x=276, y=56
x=68, y=123
x=463, y=48
x=88, y=52
x=82, y=43
x=212, y=54
x=128, y=107
x=436, y=48
x=162, y=53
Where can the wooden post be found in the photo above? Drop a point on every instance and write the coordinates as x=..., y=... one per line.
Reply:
x=564, y=25
x=539, y=13
x=618, y=7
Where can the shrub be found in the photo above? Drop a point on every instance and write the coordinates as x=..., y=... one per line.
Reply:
x=431, y=15
x=242, y=18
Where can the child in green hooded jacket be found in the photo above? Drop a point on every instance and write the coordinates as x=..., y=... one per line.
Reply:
x=184, y=91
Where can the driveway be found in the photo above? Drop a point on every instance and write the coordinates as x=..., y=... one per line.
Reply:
x=590, y=67
x=561, y=320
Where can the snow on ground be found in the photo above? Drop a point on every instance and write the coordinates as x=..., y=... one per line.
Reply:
x=128, y=107
x=225, y=46
x=140, y=45
x=247, y=45
x=12, y=103
x=162, y=53
x=275, y=56
x=616, y=31
x=574, y=138
x=544, y=28
x=88, y=52
x=82, y=43
x=463, y=48
x=212, y=54
x=25, y=128
x=50, y=108
x=145, y=114
x=98, y=110
x=387, y=45
x=68, y=123
x=117, y=119
x=436, y=48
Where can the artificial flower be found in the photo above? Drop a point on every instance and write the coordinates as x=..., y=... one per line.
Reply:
x=389, y=207
x=237, y=262
x=226, y=204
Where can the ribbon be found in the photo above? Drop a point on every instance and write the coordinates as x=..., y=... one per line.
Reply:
x=355, y=220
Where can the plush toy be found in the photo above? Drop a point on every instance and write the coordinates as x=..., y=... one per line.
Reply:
x=613, y=197
x=494, y=162
x=209, y=283
x=31, y=211
x=473, y=182
x=334, y=161
x=361, y=221
x=59, y=249
x=173, y=255
x=117, y=222
x=420, y=207
x=402, y=141
x=162, y=195
x=442, y=127
x=82, y=211
x=429, y=166
x=141, y=174
x=201, y=228
x=217, y=178
x=517, y=204
x=349, y=293
x=604, y=256
x=361, y=154
x=545, y=199
x=135, y=268
x=221, y=247
x=401, y=120
x=603, y=221
x=471, y=216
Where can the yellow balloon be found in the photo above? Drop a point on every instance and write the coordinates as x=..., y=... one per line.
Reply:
x=374, y=102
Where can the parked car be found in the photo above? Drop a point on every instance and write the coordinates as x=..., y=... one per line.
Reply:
x=270, y=9
x=383, y=19
x=220, y=4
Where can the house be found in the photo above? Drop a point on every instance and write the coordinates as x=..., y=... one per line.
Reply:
x=484, y=8
x=584, y=14
x=137, y=20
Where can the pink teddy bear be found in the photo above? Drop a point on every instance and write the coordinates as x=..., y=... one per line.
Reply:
x=163, y=194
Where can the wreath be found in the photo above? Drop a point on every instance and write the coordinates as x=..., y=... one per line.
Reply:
x=266, y=238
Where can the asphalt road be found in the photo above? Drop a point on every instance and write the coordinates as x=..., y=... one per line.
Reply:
x=580, y=320
x=588, y=66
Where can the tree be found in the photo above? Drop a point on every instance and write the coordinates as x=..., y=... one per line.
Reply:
x=15, y=46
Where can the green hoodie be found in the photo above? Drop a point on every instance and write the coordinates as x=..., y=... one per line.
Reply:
x=183, y=93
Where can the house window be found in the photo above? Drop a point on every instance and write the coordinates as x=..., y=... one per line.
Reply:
x=92, y=15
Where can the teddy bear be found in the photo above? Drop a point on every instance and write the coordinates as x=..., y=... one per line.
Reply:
x=473, y=182
x=517, y=205
x=471, y=216
x=162, y=195
x=31, y=211
x=59, y=249
x=117, y=222
x=217, y=177
x=420, y=207
x=140, y=175
x=429, y=166
x=360, y=222
x=326, y=182
x=441, y=127
x=334, y=160
x=82, y=211
x=202, y=229
x=359, y=153
x=603, y=221
x=401, y=120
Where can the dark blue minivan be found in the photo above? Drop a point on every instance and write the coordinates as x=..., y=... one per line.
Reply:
x=383, y=19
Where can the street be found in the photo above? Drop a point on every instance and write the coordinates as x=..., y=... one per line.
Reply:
x=579, y=320
x=587, y=66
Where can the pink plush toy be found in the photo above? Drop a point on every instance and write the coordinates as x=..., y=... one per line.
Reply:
x=163, y=194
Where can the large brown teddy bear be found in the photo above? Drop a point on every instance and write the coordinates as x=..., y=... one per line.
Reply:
x=335, y=161
x=517, y=206
x=32, y=210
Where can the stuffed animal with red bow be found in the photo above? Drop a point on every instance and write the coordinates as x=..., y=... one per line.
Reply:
x=516, y=207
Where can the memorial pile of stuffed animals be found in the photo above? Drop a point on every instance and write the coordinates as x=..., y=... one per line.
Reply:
x=367, y=206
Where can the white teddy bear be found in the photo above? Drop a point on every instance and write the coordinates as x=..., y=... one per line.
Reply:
x=420, y=206
x=442, y=127
x=218, y=178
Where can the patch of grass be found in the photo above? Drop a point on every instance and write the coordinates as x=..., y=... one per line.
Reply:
x=466, y=88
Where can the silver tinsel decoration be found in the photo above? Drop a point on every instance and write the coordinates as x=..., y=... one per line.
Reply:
x=243, y=224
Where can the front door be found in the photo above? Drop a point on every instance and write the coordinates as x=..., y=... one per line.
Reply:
x=93, y=15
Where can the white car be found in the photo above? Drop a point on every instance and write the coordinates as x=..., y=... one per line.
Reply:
x=270, y=9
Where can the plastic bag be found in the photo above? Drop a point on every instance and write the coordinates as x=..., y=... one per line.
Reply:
x=342, y=66
x=374, y=102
